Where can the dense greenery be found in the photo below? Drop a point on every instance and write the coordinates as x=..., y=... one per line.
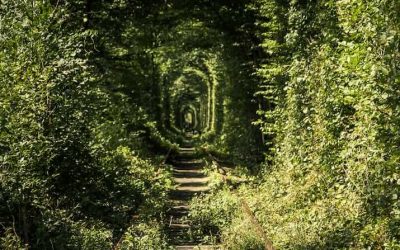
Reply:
x=335, y=125
x=74, y=163
x=302, y=95
x=331, y=177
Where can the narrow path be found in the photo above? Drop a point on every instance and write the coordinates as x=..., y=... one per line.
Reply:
x=190, y=181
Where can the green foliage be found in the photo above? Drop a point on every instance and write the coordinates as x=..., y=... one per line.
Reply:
x=241, y=235
x=90, y=236
x=331, y=83
x=144, y=236
x=74, y=166
x=92, y=91
x=210, y=213
x=330, y=119
x=11, y=240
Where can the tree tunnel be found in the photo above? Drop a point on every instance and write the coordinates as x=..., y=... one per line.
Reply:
x=188, y=118
x=100, y=102
x=202, y=66
x=190, y=92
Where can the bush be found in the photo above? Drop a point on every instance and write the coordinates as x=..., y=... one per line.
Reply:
x=10, y=240
x=210, y=213
x=144, y=236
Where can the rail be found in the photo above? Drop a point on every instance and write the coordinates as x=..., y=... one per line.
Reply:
x=166, y=156
x=245, y=208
